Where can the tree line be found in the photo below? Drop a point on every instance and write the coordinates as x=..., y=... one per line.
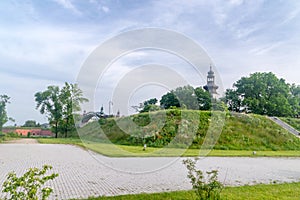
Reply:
x=260, y=93
x=185, y=97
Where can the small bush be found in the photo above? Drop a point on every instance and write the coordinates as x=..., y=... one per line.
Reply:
x=30, y=185
x=206, y=188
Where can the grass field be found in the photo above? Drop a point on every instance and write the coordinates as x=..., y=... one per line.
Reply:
x=287, y=191
x=113, y=150
x=294, y=122
x=240, y=131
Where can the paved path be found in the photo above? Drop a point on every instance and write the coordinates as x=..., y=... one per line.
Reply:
x=285, y=126
x=83, y=174
x=22, y=141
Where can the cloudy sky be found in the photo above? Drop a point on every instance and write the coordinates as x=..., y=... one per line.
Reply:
x=46, y=42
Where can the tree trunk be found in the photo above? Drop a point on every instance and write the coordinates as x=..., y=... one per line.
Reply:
x=56, y=129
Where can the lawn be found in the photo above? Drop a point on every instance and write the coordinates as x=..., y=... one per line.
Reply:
x=113, y=150
x=257, y=192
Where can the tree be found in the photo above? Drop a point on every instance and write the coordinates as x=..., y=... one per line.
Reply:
x=71, y=98
x=187, y=97
x=49, y=103
x=203, y=98
x=294, y=100
x=149, y=105
x=31, y=123
x=4, y=100
x=261, y=93
x=233, y=100
x=169, y=100
x=180, y=97
x=59, y=105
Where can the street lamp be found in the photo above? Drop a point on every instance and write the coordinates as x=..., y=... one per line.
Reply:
x=110, y=104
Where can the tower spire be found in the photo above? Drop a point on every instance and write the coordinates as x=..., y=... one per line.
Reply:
x=211, y=87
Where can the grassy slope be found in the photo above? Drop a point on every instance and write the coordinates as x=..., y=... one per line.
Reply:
x=286, y=191
x=133, y=151
x=294, y=122
x=240, y=132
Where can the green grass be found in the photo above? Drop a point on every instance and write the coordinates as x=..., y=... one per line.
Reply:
x=72, y=141
x=8, y=137
x=113, y=150
x=287, y=191
x=241, y=135
x=240, y=131
x=294, y=122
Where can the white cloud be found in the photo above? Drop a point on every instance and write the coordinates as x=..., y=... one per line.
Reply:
x=68, y=5
x=291, y=15
x=105, y=9
x=236, y=2
x=265, y=49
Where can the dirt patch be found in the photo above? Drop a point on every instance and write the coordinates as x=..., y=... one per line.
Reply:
x=22, y=141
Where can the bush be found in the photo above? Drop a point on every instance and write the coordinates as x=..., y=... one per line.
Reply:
x=206, y=188
x=29, y=186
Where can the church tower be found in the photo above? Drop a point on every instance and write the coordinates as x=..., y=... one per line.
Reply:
x=211, y=87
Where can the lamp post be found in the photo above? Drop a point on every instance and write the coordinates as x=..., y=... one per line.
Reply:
x=110, y=104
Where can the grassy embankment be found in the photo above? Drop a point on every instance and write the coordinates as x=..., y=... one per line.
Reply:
x=240, y=136
x=294, y=122
x=287, y=191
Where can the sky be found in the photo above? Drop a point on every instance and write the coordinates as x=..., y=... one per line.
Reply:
x=47, y=42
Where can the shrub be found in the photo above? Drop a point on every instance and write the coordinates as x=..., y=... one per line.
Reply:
x=206, y=188
x=30, y=185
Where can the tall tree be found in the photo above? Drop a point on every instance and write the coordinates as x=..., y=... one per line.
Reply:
x=262, y=93
x=49, y=103
x=187, y=97
x=233, y=100
x=294, y=100
x=71, y=97
x=59, y=105
x=203, y=98
x=4, y=100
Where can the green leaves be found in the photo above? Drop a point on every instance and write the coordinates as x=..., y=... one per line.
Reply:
x=206, y=188
x=264, y=94
x=59, y=105
x=30, y=185
x=187, y=97
x=4, y=100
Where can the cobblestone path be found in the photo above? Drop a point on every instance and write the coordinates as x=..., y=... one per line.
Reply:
x=83, y=173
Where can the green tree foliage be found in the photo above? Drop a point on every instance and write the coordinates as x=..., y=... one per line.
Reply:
x=187, y=97
x=49, y=103
x=233, y=100
x=4, y=100
x=59, y=105
x=261, y=93
x=149, y=105
x=169, y=100
x=71, y=98
x=31, y=123
x=30, y=185
x=294, y=100
x=204, y=99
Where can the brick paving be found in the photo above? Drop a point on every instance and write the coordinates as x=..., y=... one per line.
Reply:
x=83, y=173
